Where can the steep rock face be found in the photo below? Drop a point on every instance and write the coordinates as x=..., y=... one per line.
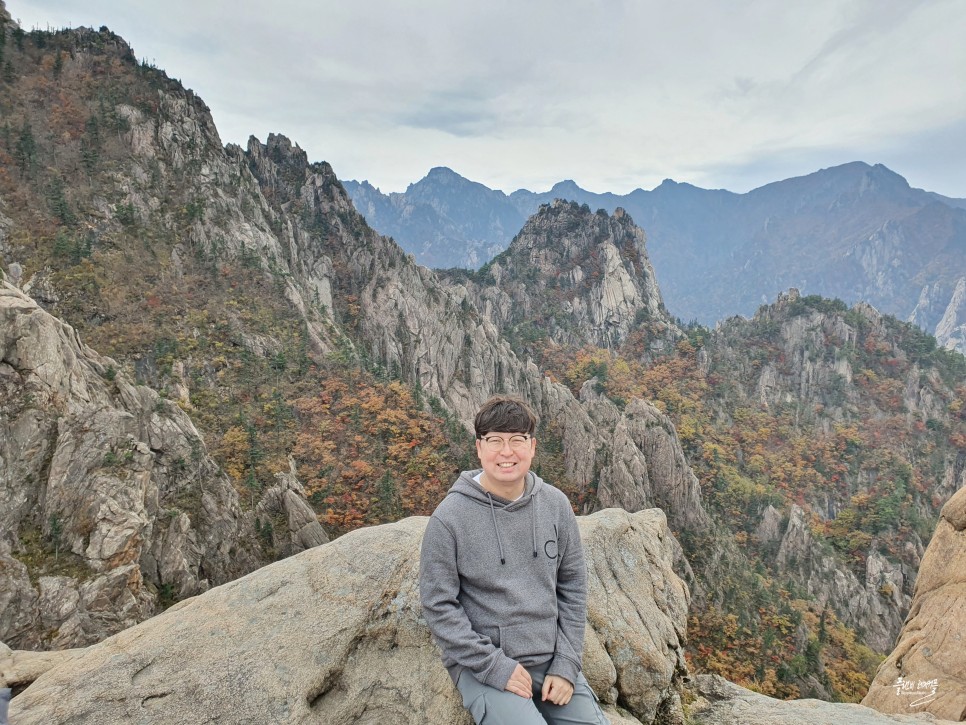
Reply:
x=286, y=519
x=926, y=671
x=179, y=146
x=576, y=277
x=647, y=452
x=335, y=635
x=108, y=479
x=873, y=607
x=942, y=307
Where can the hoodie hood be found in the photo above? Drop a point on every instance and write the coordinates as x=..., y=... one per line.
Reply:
x=467, y=485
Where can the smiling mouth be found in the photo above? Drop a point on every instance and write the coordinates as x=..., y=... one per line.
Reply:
x=506, y=465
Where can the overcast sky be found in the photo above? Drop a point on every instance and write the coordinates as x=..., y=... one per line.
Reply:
x=613, y=94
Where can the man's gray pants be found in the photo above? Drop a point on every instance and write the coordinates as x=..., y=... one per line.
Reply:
x=490, y=706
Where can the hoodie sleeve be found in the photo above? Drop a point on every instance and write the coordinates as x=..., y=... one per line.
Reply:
x=571, y=605
x=439, y=586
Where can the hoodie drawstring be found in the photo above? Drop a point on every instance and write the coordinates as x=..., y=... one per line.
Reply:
x=533, y=523
x=499, y=540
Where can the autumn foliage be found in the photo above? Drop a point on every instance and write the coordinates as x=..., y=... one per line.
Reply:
x=368, y=453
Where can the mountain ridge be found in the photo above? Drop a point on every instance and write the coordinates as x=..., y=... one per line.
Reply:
x=849, y=231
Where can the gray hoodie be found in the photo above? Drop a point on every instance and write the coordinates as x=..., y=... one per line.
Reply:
x=504, y=582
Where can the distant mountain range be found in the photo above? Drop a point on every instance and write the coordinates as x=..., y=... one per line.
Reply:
x=856, y=232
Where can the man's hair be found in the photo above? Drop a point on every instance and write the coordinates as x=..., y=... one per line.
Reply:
x=504, y=414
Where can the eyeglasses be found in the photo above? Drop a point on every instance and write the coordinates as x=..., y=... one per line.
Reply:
x=495, y=444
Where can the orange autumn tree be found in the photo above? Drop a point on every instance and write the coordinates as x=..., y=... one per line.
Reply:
x=368, y=452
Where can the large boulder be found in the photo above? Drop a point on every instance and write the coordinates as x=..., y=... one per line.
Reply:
x=335, y=635
x=926, y=671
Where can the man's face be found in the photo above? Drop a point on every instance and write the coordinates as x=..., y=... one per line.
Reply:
x=505, y=457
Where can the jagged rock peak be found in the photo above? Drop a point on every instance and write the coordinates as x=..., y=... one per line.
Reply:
x=283, y=168
x=283, y=151
x=578, y=276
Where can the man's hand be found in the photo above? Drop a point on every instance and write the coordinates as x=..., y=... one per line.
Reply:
x=557, y=690
x=520, y=683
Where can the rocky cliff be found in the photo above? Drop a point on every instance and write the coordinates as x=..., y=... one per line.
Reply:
x=335, y=635
x=926, y=671
x=111, y=505
x=573, y=277
x=817, y=365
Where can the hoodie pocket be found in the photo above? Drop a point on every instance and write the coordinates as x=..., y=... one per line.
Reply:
x=538, y=637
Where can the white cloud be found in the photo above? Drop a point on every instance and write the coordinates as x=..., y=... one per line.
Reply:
x=615, y=94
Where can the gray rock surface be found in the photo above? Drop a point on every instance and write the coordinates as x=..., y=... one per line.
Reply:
x=719, y=702
x=294, y=526
x=334, y=635
x=19, y=668
x=863, y=605
x=108, y=499
x=591, y=285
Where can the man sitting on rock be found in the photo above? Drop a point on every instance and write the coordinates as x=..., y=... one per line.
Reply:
x=503, y=583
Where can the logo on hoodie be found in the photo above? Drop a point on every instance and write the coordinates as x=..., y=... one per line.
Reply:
x=550, y=547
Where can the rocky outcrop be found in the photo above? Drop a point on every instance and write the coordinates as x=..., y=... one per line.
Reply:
x=577, y=277
x=719, y=702
x=109, y=503
x=947, y=302
x=872, y=607
x=926, y=671
x=284, y=518
x=335, y=635
x=645, y=452
x=19, y=668
x=807, y=373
